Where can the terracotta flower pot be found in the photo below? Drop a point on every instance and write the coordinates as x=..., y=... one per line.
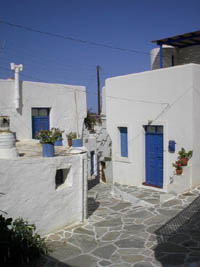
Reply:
x=69, y=142
x=184, y=161
x=179, y=171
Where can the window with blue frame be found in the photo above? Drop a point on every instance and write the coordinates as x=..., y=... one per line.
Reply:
x=123, y=141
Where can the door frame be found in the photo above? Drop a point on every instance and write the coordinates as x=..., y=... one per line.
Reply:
x=156, y=181
x=166, y=178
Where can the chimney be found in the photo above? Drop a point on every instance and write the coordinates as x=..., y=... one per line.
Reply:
x=17, y=69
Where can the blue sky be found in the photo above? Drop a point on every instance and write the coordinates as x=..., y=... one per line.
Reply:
x=130, y=24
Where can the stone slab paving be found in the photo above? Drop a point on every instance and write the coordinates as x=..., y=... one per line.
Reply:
x=121, y=234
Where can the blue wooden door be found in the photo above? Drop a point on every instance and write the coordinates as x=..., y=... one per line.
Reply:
x=92, y=162
x=39, y=123
x=154, y=155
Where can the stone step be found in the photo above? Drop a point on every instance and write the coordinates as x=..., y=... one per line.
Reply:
x=126, y=196
x=149, y=200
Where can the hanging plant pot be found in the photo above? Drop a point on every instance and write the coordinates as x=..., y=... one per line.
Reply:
x=184, y=161
x=47, y=150
x=179, y=171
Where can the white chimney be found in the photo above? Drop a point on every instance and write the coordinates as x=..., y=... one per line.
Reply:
x=17, y=69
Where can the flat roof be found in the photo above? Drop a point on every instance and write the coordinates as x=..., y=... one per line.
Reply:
x=182, y=40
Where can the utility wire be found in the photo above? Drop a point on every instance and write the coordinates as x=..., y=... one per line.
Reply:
x=71, y=38
x=77, y=39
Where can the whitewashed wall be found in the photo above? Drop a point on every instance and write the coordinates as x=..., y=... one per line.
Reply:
x=165, y=97
x=196, y=126
x=29, y=191
x=58, y=97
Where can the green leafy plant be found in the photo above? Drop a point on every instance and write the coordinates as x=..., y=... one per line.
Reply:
x=90, y=120
x=71, y=135
x=49, y=136
x=19, y=242
x=177, y=165
x=183, y=154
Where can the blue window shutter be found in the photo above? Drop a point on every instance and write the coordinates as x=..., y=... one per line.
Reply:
x=124, y=141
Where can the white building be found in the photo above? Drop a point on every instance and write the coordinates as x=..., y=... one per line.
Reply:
x=31, y=106
x=144, y=112
x=49, y=192
x=176, y=50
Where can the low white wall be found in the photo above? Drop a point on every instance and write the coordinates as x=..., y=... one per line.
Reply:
x=181, y=183
x=162, y=97
x=29, y=191
x=58, y=97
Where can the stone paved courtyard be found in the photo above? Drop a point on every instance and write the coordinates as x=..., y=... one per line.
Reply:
x=119, y=233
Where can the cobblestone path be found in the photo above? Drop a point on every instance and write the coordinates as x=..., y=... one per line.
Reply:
x=119, y=233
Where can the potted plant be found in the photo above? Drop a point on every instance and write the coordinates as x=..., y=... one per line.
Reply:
x=70, y=136
x=58, y=133
x=47, y=139
x=177, y=165
x=184, y=156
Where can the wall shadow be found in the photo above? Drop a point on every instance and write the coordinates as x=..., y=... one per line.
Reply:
x=93, y=182
x=179, y=239
x=92, y=206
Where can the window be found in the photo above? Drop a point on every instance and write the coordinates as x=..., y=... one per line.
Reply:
x=40, y=112
x=123, y=141
x=4, y=122
x=154, y=129
x=63, y=178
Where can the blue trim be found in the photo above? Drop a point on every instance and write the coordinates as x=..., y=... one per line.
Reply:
x=161, y=57
x=124, y=141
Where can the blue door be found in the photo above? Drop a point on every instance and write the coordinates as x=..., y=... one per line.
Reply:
x=154, y=155
x=40, y=120
x=92, y=162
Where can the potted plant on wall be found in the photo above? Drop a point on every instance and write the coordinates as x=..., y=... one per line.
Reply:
x=47, y=139
x=58, y=133
x=177, y=165
x=70, y=136
x=184, y=156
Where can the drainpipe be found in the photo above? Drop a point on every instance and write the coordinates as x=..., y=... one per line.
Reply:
x=76, y=113
x=17, y=69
